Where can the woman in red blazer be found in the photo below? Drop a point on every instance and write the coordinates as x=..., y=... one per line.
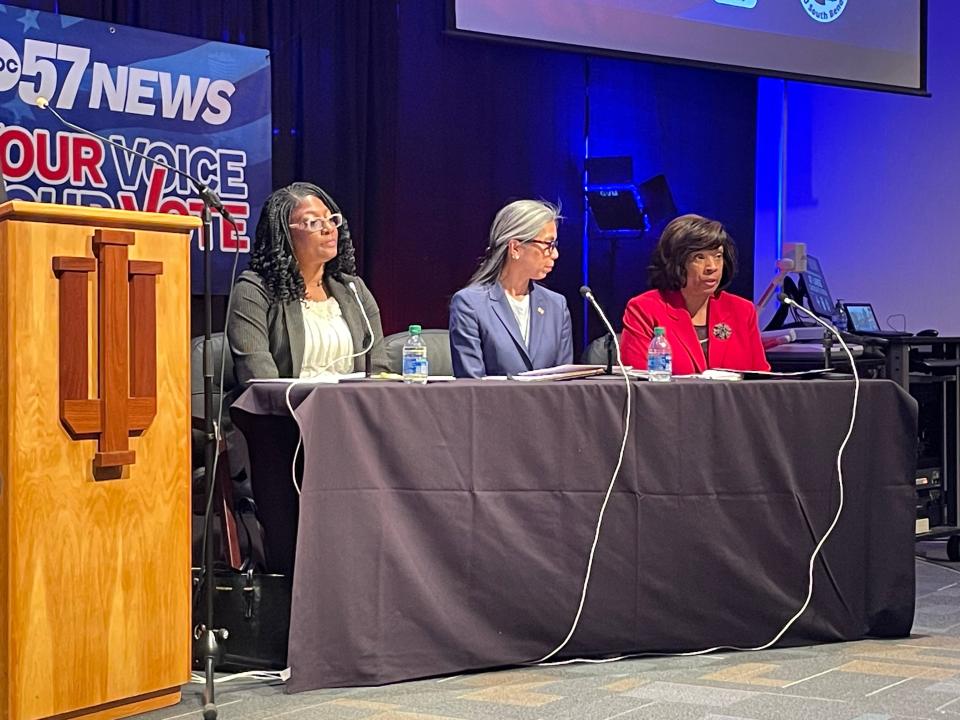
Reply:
x=706, y=327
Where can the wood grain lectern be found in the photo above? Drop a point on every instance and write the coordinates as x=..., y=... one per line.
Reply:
x=94, y=461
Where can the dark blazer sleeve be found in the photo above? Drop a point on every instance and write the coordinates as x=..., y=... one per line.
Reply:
x=466, y=351
x=378, y=354
x=248, y=332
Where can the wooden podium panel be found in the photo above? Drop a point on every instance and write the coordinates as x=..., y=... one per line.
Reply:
x=94, y=563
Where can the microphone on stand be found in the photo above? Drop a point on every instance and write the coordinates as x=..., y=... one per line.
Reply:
x=587, y=294
x=829, y=331
x=368, y=340
x=209, y=197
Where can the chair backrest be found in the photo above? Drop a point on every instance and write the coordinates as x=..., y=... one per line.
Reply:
x=217, y=341
x=438, y=351
x=596, y=352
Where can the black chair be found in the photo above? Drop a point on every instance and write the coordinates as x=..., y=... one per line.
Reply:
x=438, y=351
x=217, y=341
x=596, y=352
x=232, y=461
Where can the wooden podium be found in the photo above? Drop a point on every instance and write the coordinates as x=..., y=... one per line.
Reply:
x=94, y=461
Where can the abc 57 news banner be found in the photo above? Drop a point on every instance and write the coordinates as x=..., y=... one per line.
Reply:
x=200, y=106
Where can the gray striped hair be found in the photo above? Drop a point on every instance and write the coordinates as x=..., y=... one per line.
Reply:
x=520, y=220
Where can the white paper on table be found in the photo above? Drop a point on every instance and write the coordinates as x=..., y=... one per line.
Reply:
x=324, y=379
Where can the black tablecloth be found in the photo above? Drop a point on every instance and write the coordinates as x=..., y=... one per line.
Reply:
x=447, y=527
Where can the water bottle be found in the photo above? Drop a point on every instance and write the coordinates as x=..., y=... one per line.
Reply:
x=415, y=357
x=659, y=357
x=839, y=317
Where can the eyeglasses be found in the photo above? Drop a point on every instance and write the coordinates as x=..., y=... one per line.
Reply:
x=312, y=225
x=547, y=246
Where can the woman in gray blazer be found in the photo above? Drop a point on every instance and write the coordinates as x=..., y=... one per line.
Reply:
x=300, y=309
x=504, y=322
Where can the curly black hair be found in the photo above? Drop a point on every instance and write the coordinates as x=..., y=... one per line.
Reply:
x=681, y=238
x=272, y=256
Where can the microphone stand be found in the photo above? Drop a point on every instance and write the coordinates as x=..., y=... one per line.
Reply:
x=827, y=349
x=209, y=636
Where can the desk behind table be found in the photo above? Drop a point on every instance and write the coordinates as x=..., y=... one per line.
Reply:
x=446, y=527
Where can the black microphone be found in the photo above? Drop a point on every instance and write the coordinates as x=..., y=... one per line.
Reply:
x=828, y=331
x=587, y=294
x=787, y=300
x=209, y=197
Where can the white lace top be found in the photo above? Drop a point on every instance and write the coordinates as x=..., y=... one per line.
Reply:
x=326, y=338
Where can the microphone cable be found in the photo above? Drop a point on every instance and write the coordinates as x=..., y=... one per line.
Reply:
x=218, y=423
x=817, y=548
x=312, y=380
x=588, y=295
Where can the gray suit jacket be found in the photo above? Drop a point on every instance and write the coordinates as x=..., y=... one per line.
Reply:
x=267, y=338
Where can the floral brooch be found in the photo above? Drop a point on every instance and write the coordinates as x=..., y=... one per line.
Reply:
x=722, y=331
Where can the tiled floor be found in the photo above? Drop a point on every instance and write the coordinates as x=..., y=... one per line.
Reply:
x=911, y=678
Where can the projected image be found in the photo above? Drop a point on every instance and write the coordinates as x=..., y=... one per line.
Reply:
x=860, y=42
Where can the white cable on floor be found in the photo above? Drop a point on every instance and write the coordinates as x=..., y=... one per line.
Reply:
x=813, y=556
x=606, y=498
x=269, y=675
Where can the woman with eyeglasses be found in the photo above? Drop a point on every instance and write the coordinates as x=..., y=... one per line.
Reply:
x=504, y=322
x=294, y=312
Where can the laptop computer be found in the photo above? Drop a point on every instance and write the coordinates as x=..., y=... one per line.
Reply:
x=862, y=320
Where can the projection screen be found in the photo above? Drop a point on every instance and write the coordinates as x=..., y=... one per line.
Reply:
x=875, y=44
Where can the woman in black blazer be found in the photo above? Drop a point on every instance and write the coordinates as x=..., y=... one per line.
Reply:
x=297, y=310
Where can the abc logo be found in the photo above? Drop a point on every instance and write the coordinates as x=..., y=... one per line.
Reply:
x=9, y=66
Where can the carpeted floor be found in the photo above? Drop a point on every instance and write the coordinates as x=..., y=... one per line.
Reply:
x=912, y=678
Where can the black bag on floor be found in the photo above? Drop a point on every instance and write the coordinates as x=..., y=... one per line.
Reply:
x=254, y=609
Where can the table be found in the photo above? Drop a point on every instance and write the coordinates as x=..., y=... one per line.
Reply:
x=446, y=527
